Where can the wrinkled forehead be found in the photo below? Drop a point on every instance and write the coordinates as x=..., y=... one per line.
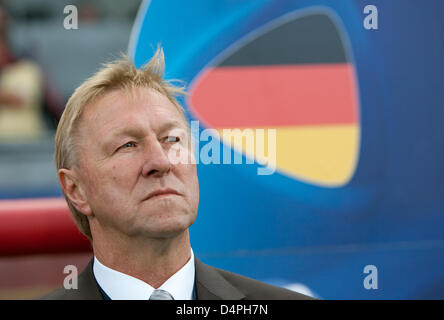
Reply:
x=116, y=102
x=118, y=106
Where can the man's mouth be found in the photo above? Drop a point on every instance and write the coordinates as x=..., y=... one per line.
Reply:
x=162, y=193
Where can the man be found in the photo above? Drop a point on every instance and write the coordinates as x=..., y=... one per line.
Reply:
x=117, y=149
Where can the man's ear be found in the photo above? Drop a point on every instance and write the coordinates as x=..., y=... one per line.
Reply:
x=69, y=182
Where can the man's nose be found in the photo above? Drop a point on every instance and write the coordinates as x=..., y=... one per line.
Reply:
x=156, y=160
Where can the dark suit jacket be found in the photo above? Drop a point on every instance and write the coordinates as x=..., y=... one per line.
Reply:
x=210, y=284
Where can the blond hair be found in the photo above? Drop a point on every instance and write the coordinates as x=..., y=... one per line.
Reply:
x=120, y=74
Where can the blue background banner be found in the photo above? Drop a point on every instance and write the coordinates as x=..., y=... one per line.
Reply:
x=289, y=232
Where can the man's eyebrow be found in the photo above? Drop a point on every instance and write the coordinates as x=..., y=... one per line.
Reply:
x=172, y=124
x=138, y=132
x=131, y=132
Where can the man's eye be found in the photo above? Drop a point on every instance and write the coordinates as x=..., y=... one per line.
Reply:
x=172, y=139
x=128, y=145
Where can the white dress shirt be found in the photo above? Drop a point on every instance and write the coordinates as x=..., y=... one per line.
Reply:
x=120, y=286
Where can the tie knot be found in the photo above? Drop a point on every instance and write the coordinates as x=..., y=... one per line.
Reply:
x=161, y=295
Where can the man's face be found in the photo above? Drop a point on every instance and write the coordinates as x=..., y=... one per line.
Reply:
x=125, y=140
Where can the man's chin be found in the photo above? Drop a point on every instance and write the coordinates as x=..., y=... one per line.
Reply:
x=165, y=229
x=164, y=233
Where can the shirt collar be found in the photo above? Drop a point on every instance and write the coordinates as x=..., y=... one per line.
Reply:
x=120, y=286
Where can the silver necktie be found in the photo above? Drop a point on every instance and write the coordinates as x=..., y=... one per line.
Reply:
x=161, y=295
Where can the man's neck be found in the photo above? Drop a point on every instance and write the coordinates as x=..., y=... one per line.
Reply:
x=151, y=260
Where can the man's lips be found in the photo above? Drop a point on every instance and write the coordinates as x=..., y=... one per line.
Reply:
x=162, y=192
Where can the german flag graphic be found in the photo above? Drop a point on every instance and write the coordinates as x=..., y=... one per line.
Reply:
x=293, y=75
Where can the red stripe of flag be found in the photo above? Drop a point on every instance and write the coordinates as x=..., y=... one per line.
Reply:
x=281, y=95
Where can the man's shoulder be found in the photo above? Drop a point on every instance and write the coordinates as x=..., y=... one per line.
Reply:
x=211, y=284
x=86, y=289
x=60, y=294
x=257, y=290
x=253, y=289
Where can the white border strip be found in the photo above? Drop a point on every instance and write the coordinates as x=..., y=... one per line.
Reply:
x=135, y=31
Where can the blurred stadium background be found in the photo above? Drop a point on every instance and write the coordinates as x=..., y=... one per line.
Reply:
x=65, y=58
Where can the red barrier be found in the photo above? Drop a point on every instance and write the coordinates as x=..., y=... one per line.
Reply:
x=37, y=226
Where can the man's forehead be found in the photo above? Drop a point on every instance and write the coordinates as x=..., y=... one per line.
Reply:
x=118, y=100
x=120, y=111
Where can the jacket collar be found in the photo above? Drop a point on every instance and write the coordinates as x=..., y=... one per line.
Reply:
x=211, y=285
x=88, y=289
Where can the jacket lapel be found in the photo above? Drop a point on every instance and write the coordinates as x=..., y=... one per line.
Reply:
x=88, y=289
x=210, y=285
